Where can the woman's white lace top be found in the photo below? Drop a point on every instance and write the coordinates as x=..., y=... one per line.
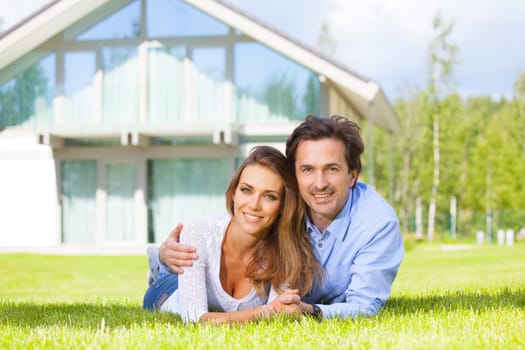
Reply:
x=200, y=288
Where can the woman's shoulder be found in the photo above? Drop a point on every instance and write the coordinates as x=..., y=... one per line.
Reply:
x=209, y=224
x=205, y=229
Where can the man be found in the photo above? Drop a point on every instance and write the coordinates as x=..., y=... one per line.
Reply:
x=354, y=231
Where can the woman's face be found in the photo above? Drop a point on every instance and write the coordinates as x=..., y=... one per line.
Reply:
x=257, y=200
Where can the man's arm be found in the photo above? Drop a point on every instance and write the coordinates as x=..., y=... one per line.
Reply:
x=175, y=255
x=372, y=273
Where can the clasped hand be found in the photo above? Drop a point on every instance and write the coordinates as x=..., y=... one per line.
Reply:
x=288, y=302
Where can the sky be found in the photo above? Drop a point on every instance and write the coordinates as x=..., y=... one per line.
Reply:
x=387, y=40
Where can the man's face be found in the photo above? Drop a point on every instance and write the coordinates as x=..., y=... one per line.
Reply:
x=324, y=178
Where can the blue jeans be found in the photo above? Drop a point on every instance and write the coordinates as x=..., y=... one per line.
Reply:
x=160, y=290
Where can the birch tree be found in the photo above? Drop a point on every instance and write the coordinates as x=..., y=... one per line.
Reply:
x=443, y=58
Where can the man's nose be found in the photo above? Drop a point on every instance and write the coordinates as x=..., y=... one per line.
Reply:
x=320, y=180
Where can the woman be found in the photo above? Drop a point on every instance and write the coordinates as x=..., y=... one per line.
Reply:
x=260, y=245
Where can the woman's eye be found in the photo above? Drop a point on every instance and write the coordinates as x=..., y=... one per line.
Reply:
x=245, y=190
x=271, y=197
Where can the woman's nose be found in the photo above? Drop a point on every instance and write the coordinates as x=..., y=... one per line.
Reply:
x=255, y=202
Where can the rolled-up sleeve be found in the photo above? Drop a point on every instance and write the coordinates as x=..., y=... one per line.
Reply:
x=372, y=273
x=192, y=283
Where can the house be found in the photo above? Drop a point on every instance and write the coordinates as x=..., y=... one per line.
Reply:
x=121, y=118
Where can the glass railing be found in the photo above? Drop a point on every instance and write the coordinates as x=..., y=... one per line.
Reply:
x=120, y=98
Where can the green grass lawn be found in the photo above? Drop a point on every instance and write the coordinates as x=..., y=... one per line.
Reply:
x=459, y=299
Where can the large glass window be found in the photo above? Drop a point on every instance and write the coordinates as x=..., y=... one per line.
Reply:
x=120, y=205
x=121, y=87
x=269, y=86
x=27, y=98
x=181, y=190
x=124, y=23
x=80, y=68
x=166, y=84
x=79, y=185
x=175, y=18
x=210, y=88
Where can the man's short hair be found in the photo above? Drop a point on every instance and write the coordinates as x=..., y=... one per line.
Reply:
x=334, y=127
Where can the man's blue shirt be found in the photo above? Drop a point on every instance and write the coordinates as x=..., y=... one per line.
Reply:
x=360, y=252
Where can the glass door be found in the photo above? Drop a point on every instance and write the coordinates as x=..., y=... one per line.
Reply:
x=120, y=201
x=79, y=185
x=101, y=202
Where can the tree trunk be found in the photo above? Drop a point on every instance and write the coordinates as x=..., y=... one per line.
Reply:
x=435, y=182
x=404, y=192
x=419, y=219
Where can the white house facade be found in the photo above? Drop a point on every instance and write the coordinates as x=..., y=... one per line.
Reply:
x=121, y=118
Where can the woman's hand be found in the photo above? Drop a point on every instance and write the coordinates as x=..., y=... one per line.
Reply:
x=287, y=303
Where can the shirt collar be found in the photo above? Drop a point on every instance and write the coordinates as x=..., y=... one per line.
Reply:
x=339, y=226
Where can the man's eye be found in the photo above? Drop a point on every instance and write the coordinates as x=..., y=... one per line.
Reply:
x=333, y=169
x=306, y=170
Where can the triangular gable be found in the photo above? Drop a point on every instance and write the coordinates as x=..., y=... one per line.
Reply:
x=364, y=95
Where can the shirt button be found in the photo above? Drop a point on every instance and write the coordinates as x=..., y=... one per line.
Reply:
x=320, y=245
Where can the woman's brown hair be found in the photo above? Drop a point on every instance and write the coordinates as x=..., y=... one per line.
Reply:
x=285, y=256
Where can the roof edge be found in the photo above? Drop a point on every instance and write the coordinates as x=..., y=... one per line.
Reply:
x=283, y=44
x=27, y=19
x=41, y=26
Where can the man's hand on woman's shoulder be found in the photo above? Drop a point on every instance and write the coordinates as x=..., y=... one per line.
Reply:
x=176, y=255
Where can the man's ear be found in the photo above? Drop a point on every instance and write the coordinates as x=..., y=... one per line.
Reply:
x=353, y=177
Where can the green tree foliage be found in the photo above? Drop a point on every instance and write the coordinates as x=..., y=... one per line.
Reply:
x=17, y=96
x=519, y=103
x=279, y=94
x=311, y=96
x=482, y=161
x=408, y=162
x=481, y=145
